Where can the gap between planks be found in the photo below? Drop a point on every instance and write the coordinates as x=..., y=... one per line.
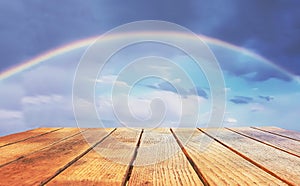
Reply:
x=75, y=159
x=25, y=155
x=191, y=161
x=265, y=143
x=30, y=137
x=277, y=134
x=130, y=166
x=247, y=158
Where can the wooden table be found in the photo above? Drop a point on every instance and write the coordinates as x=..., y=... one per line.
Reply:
x=162, y=156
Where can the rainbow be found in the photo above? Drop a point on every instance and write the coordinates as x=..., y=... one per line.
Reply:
x=88, y=41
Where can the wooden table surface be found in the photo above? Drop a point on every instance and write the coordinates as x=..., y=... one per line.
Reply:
x=162, y=156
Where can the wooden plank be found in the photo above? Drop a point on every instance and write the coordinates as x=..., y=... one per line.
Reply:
x=19, y=150
x=293, y=135
x=160, y=161
x=219, y=165
x=279, y=142
x=107, y=164
x=277, y=163
x=23, y=136
x=40, y=166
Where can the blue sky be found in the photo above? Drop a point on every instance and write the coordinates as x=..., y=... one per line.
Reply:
x=257, y=93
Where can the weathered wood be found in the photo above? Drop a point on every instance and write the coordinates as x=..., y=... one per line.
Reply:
x=23, y=136
x=219, y=165
x=279, y=164
x=293, y=135
x=233, y=156
x=107, y=164
x=282, y=143
x=40, y=166
x=19, y=150
x=160, y=161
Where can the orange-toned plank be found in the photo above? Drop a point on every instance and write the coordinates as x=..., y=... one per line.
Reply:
x=293, y=135
x=23, y=136
x=277, y=163
x=219, y=165
x=160, y=161
x=42, y=165
x=20, y=150
x=107, y=164
x=282, y=143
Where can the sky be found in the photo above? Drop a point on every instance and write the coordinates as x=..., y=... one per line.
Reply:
x=262, y=85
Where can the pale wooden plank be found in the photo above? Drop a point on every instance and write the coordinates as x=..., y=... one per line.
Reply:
x=280, y=164
x=107, y=164
x=294, y=135
x=285, y=144
x=160, y=161
x=22, y=136
x=21, y=149
x=40, y=166
x=219, y=165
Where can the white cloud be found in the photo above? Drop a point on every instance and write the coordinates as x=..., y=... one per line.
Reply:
x=11, y=94
x=108, y=82
x=257, y=107
x=48, y=110
x=47, y=79
x=10, y=114
x=227, y=89
x=41, y=99
x=141, y=109
x=11, y=121
x=230, y=120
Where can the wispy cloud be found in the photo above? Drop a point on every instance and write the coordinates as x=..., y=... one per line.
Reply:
x=241, y=100
x=266, y=98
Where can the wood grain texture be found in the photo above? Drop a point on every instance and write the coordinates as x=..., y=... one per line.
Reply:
x=219, y=165
x=20, y=150
x=22, y=136
x=160, y=161
x=278, y=163
x=229, y=156
x=105, y=165
x=285, y=144
x=294, y=135
x=37, y=167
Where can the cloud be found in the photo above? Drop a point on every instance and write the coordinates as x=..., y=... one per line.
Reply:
x=11, y=94
x=47, y=79
x=110, y=81
x=42, y=95
x=10, y=114
x=234, y=63
x=31, y=28
x=11, y=121
x=241, y=100
x=230, y=120
x=41, y=99
x=48, y=110
x=281, y=112
x=266, y=98
x=146, y=110
x=165, y=86
x=257, y=107
x=268, y=38
x=247, y=100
